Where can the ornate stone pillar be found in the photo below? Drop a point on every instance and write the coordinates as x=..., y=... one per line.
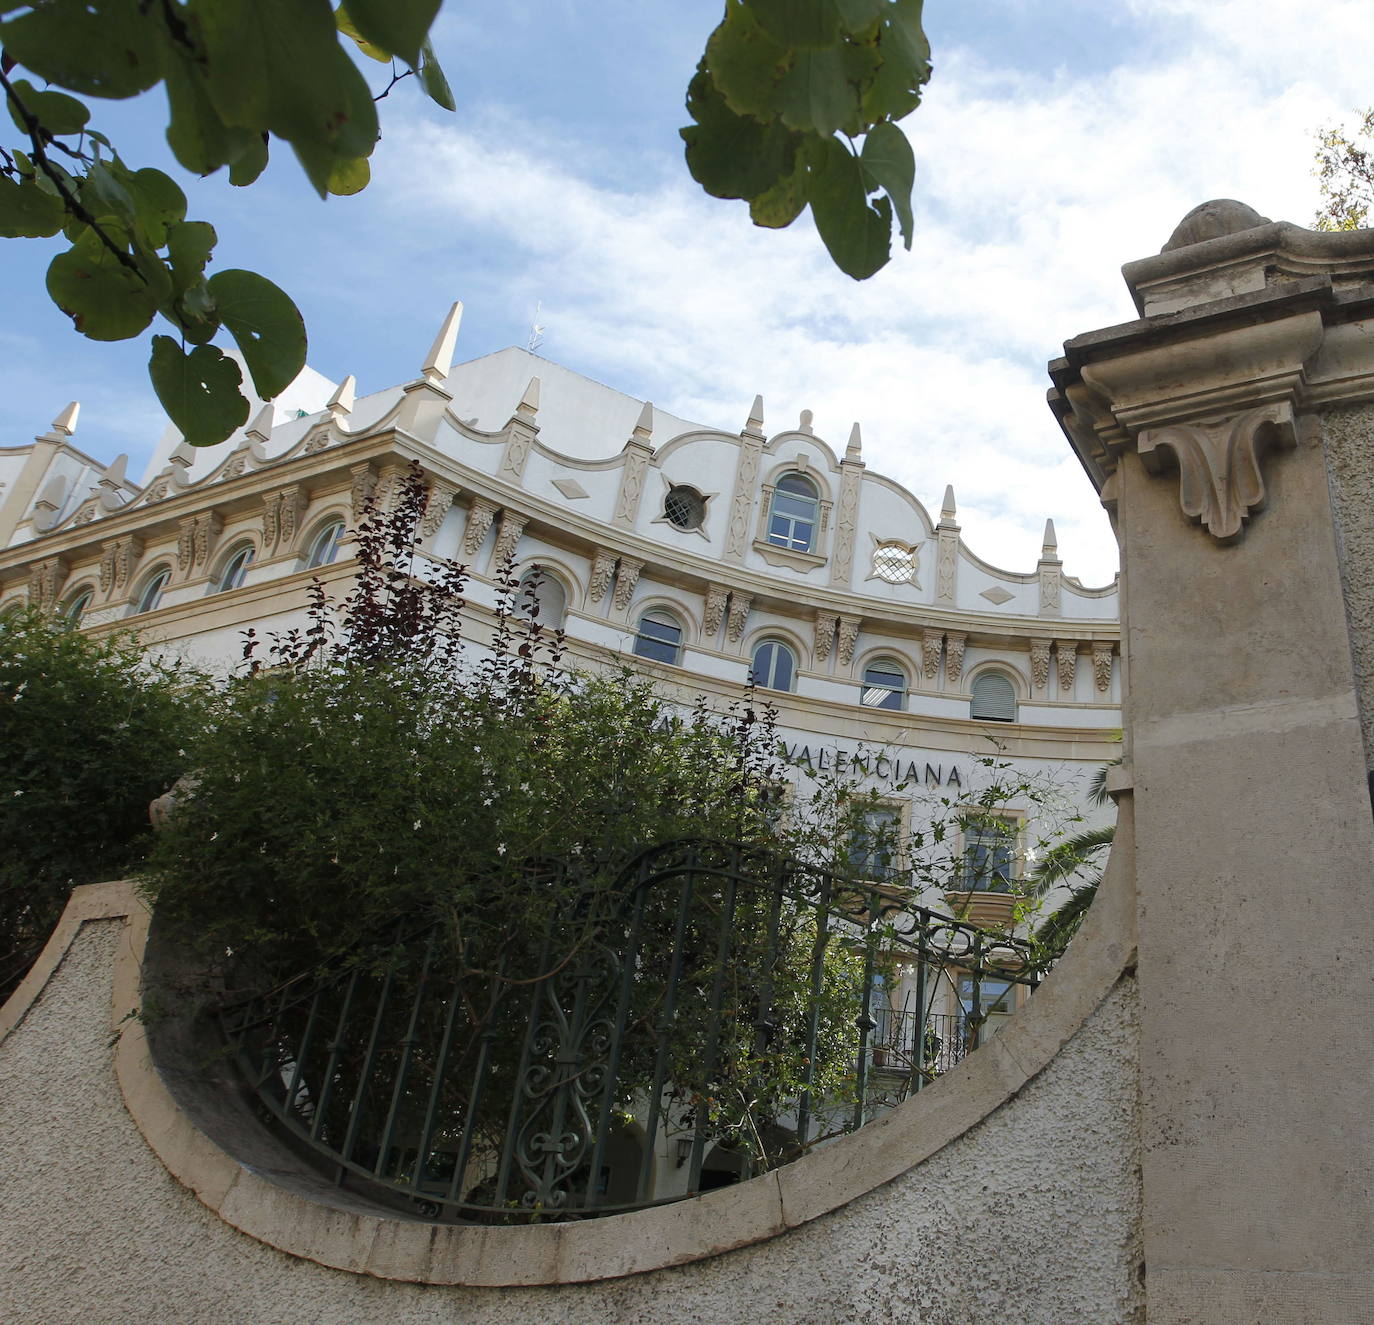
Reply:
x=1222, y=430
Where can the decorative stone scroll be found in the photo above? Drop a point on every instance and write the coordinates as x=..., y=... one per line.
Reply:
x=195, y=538
x=1067, y=652
x=45, y=581
x=746, y=475
x=626, y=577
x=849, y=635
x=437, y=503
x=716, y=594
x=364, y=480
x=954, y=656
x=512, y=526
x=1220, y=479
x=117, y=559
x=603, y=568
x=931, y=643
x=480, y=517
x=1040, y=663
x=846, y=524
x=1102, y=667
x=825, y=635
x=739, y=613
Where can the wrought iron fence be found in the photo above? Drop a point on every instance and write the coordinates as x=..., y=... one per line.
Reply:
x=715, y=1013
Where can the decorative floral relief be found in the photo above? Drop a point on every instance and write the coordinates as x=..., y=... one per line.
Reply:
x=1220, y=481
x=739, y=613
x=602, y=570
x=946, y=564
x=849, y=634
x=479, y=521
x=1067, y=652
x=716, y=594
x=626, y=577
x=954, y=656
x=364, y=478
x=512, y=526
x=439, y=499
x=1102, y=666
x=931, y=643
x=825, y=635
x=1040, y=663
x=1050, y=577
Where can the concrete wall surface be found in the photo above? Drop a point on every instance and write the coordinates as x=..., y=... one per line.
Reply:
x=1032, y=1214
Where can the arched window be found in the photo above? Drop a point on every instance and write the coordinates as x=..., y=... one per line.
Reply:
x=75, y=607
x=151, y=595
x=794, y=515
x=234, y=570
x=539, y=588
x=659, y=637
x=774, y=666
x=994, y=698
x=884, y=685
x=324, y=547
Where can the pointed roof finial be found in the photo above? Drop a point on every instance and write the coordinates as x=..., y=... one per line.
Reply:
x=856, y=444
x=1051, y=543
x=947, y=508
x=440, y=361
x=644, y=428
x=66, y=421
x=114, y=476
x=754, y=423
x=183, y=457
x=804, y=423
x=341, y=402
x=261, y=427
x=529, y=402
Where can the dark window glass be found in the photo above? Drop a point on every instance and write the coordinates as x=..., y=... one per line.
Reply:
x=659, y=638
x=684, y=507
x=326, y=545
x=873, y=845
x=152, y=592
x=235, y=569
x=774, y=666
x=989, y=853
x=884, y=686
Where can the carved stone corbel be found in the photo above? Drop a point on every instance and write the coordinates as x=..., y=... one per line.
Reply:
x=45, y=581
x=1221, y=481
x=480, y=516
x=849, y=635
x=740, y=604
x=626, y=577
x=603, y=568
x=1066, y=650
x=439, y=499
x=825, y=635
x=1102, y=667
x=1040, y=663
x=512, y=526
x=931, y=643
x=716, y=594
x=364, y=480
x=117, y=560
x=954, y=656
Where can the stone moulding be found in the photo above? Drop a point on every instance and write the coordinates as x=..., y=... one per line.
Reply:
x=333, y=1229
x=1220, y=477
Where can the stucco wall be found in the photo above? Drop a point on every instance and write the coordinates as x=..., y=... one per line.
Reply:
x=1348, y=435
x=1032, y=1215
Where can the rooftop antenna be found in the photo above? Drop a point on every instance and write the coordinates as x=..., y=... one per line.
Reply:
x=536, y=330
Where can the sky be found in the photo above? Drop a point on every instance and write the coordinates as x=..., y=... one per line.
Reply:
x=1055, y=143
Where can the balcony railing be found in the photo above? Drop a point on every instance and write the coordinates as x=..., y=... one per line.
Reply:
x=716, y=1013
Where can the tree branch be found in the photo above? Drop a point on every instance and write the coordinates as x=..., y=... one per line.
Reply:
x=38, y=137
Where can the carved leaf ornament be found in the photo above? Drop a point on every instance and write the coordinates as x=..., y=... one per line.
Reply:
x=1220, y=480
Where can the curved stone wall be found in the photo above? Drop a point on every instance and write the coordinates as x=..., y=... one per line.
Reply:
x=1007, y=1191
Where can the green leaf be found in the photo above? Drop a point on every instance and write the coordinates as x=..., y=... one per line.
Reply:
x=398, y=26
x=816, y=93
x=857, y=235
x=103, y=194
x=158, y=202
x=249, y=160
x=266, y=325
x=194, y=313
x=729, y=155
x=888, y=163
x=350, y=177
x=28, y=212
x=858, y=16
x=197, y=136
x=189, y=245
x=104, y=299
x=280, y=68
x=746, y=64
x=55, y=111
x=799, y=22
x=200, y=391
x=433, y=80
x=778, y=207
x=109, y=49
x=350, y=29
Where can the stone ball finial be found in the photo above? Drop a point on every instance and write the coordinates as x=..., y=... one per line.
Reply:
x=1211, y=220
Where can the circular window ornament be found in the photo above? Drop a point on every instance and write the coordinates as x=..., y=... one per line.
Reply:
x=895, y=563
x=684, y=507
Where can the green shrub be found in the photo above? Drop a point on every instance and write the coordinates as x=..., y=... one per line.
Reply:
x=92, y=730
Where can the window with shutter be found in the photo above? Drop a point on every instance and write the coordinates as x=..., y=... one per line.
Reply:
x=994, y=698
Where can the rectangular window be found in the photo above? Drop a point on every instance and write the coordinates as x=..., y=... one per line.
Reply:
x=875, y=845
x=989, y=853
